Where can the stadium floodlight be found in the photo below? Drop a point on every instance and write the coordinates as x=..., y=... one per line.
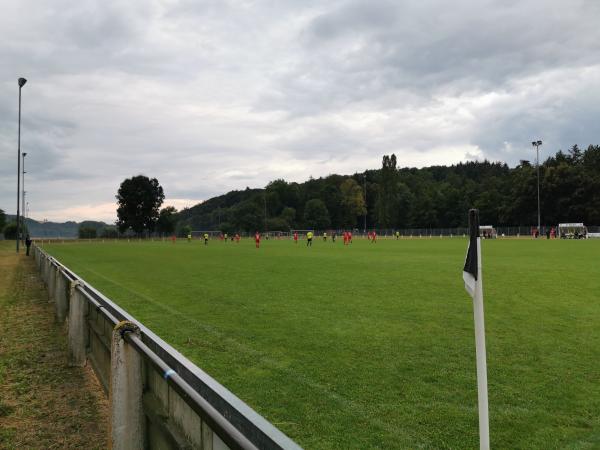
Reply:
x=537, y=144
x=21, y=82
x=24, y=154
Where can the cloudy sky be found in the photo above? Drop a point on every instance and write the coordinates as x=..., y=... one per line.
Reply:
x=215, y=95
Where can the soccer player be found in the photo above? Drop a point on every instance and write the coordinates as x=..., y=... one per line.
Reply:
x=373, y=237
x=225, y=237
x=345, y=238
x=309, y=237
x=397, y=235
x=349, y=237
x=324, y=237
x=205, y=238
x=333, y=237
x=295, y=237
x=257, y=239
x=173, y=238
x=189, y=237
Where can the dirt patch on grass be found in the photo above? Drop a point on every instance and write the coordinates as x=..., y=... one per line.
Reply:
x=44, y=403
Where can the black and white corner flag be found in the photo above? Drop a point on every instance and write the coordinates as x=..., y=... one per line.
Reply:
x=471, y=268
x=474, y=286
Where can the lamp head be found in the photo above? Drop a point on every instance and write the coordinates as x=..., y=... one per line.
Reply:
x=22, y=82
x=539, y=142
x=533, y=143
x=24, y=154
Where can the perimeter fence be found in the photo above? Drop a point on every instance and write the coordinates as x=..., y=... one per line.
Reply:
x=157, y=397
x=501, y=231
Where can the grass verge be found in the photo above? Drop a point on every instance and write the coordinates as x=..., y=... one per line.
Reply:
x=44, y=403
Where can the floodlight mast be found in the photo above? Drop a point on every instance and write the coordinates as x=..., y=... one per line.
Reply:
x=21, y=82
x=23, y=212
x=537, y=144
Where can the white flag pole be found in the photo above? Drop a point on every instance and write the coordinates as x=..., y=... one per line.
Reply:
x=482, y=390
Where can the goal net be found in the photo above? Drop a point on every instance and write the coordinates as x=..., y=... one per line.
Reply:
x=276, y=234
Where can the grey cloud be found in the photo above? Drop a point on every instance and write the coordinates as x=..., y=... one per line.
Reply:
x=217, y=95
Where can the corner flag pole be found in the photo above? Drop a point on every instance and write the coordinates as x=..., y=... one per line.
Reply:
x=474, y=286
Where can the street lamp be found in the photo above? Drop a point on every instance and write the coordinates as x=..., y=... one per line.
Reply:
x=537, y=144
x=24, y=213
x=365, y=189
x=21, y=82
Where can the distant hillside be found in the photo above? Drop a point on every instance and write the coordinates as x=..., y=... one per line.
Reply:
x=402, y=197
x=56, y=229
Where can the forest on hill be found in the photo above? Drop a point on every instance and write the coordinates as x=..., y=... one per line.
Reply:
x=401, y=197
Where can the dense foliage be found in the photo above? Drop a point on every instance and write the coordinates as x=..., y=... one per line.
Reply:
x=2, y=220
x=87, y=232
x=436, y=196
x=139, y=199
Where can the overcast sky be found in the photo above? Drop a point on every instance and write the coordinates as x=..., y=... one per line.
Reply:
x=209, y=96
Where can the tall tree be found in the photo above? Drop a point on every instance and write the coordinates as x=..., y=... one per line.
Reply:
x=2, y=220
x=353, y=202
x=316, y=214
x=139, y=199
x=167, y=220
x=386, y=205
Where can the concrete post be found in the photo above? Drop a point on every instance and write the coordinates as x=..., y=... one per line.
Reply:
x=127, y=421
x=44, y=269
x=78, y=327
x=51, y=280
x=61, y=300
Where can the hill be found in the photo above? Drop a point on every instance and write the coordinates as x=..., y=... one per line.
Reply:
x=431, y=197
x=67, y=229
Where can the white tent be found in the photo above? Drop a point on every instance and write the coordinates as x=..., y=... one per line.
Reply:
x=487, y=231
x=572, y=231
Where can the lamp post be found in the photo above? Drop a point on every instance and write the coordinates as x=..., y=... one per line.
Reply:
x=24, y=213
x=21, y=82
x=365, y=189
x=537, y=144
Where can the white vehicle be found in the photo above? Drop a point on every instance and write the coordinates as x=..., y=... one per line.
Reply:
x=572, y=231
x=488, y=232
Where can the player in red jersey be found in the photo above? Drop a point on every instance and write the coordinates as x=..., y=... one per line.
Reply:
x=349, y=237
x=295, y=237
x=373, y=237
x=257, y=239
x=345, y=235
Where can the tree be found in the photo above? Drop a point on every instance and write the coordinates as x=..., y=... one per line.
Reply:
x=109, y=232
x=316, y=214
x=2, y=220
x=87, y=232
x=289, y=215
x=353, y=202
x=10, y=230
x=387, y=195
x=167, y=220
x=139, y=199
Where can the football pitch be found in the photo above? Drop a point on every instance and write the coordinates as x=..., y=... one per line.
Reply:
x=372, y=345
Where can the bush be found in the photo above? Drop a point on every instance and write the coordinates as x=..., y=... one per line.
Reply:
x=109, y=233
x=10, y=231
x=87, y=233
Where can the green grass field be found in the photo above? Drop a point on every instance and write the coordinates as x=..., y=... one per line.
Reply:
x=372, y=346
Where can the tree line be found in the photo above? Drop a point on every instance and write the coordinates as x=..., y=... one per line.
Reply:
x=401, y=197
x=389, y=197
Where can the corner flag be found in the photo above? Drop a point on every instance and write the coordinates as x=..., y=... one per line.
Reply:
x=474, y=286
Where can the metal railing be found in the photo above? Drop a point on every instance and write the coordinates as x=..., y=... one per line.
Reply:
x=158, y=398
